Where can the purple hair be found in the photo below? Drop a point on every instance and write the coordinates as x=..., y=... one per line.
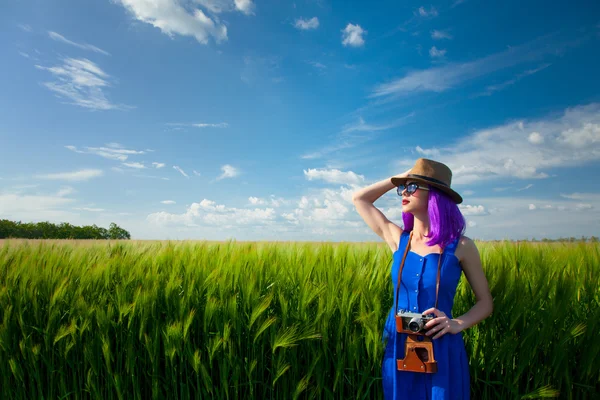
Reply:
x=445, y=219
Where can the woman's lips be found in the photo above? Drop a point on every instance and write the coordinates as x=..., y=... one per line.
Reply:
x=405, y=202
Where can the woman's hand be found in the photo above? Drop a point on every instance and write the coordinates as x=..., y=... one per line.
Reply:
x=441, y=324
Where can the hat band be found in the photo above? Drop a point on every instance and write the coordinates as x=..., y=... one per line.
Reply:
x=427, y=178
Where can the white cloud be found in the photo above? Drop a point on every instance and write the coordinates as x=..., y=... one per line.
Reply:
x=435, y=34
x=306, y=24
x=532, y=207
x=535, y=138
x=468, y=210
x=435, y=53
x=197, y=173
x=428, y=152
x=334, y=176
x=168, y=202
x=245, y=6
x=220, y=6
x=423, y=12
x=504, y=151
x=228, y=172
x=272, y=201
x=158, y=165
x=182, y=172
x=135, y=165
x=353, y=35
x=81, y=175
x=468, y=193
x=442, y=78
x=174, y=17
x=60, y=38
x=82, y=82
x=208, y=213
x=89, y=209
x=112, y=151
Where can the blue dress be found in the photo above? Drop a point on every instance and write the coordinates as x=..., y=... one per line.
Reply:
x=417, y=294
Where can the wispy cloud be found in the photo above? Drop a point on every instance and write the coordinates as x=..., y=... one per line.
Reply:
x=60, y=38
x=439, y=79
x=25, y=27
x=423, y=12
x=435, y=34
x=506, y=151
x=136, y=165
x=525, y=188
x=168, y=202
x=81, y=175
x=306, y=24
x=112, y=151
x=158, y=165
x=434, y=52
x=495, y=88
x=199, y=125
x=182, y=172
x=352, y=35
x=197, y=173
x=354, y=134
x=317, y=64
x=174, y=17
x=82, y=82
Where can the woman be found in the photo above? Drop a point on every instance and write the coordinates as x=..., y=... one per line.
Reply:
x=433, y=228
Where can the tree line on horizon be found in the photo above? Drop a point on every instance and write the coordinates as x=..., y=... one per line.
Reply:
x=47, y=230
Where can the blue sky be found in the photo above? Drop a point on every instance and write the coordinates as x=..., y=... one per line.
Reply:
x=257, y=120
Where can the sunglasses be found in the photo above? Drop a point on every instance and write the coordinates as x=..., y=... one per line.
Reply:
x=410, y=188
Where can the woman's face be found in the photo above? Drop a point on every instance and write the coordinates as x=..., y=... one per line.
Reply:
x=416, y=202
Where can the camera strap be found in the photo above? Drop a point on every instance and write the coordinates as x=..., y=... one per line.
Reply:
x=437, y=285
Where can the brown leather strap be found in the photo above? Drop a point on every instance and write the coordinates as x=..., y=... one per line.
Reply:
x=437, y=285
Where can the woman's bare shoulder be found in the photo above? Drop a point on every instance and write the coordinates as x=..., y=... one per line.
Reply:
x=466, y=247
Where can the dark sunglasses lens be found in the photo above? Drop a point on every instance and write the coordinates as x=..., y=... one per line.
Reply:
x=400, y=189
x=412, y=187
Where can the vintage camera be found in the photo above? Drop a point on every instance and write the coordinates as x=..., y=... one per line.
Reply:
x=412, y=323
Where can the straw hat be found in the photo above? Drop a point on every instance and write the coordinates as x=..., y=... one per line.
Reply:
x=432, y=173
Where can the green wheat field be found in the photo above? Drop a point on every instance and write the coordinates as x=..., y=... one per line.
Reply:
x=276, y=320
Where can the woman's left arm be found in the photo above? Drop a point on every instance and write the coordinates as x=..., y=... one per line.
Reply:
x=473, y=270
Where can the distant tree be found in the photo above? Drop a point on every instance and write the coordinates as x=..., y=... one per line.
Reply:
x=47, y=230
x=114, y=232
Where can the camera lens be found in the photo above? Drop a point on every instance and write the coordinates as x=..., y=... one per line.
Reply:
x=415, y=324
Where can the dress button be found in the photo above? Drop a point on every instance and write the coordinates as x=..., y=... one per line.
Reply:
x=417, y=274
x=421, y=259
x=414, y=308
x=416, y=290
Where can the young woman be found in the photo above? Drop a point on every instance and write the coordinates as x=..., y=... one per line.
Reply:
x=431, y=238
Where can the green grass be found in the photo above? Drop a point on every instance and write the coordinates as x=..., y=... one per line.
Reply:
x=182, y=320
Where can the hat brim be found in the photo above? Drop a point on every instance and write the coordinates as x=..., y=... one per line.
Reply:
x=449, y=191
